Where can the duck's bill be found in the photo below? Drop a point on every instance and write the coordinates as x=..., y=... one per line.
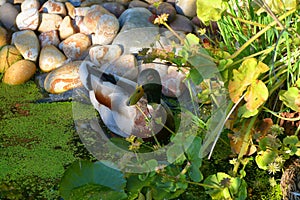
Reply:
x=135, y=96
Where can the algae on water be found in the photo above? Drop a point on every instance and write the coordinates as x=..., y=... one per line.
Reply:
x=36, y=143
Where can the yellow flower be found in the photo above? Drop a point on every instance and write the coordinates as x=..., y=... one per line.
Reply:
x=135, y=146
x=131, y=138
x=161, y=19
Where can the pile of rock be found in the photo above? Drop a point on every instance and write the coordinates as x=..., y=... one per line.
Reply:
x=55, y=36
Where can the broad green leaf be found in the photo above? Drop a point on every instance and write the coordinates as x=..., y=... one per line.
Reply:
x=291, y=98
x=290, y=140
x=193, y=155
x=96, y=192
x=150, y=165
x=196, y=76
x=256, y=95
x=210, y=10
x=245, y=113
x=278, y=6
x=224, y=63
x=264, y=158
x=247, y=73
x=269, y=141
x=293, y=149
x=195, y=173
x=191, y=39
x=135, y=184
x=99, y=174
x=161, y=188
x=224, y=186
x=238, y=188
x=175, y=154
x=203, y=65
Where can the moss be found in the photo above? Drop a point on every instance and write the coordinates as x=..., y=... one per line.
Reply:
x=258, y=183
x=36, y=143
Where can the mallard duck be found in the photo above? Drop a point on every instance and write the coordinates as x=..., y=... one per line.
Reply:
x=128, y=108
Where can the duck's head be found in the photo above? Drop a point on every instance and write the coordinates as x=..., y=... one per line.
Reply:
x=149, y=83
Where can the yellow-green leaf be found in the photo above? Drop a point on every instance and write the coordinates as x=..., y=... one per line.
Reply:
x=256, y=95
x=298, y=83
x=210, y=10
x=291, y=98
x=278, y=6
x=247, y=73
x=245, y=113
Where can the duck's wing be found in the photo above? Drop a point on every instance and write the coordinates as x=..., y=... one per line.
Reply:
x=107, y=116
x=87, y=70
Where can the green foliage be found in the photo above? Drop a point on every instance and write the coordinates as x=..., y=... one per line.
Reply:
x=275, y=152
x=258, y=184
x=203, y=67
x=35, y=150
x=160, y=182
x=162, y=185
x=84, y=179
x=290, y=98
x=264, y=158
x=223, y=186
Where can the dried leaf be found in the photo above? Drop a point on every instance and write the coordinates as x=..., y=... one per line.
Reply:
x=256, y=95
x=264, y=127
x=236, y=145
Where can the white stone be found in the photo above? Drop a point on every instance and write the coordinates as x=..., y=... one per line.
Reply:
x=27, y=4
x=28, y=19
x=101, y=54
x=66, y=28
x=27, y=43
x=51, y=58
x=187, y=8
x=106, y=30
x=49, y=22
x=54, y=7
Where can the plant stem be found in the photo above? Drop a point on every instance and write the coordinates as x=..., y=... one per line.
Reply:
x=280, y=117
x=249, y=22
x=265, y=51
x=261, y=32
x=245, y=144
x=184, y=170
x=202, y=184
x=170, y=29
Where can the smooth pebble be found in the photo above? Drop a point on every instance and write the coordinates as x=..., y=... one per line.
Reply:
x=101, y=54
x=75, y=46
x=63, y=78
x=27, y=43
x=19, y=72
x=9, y=54
x=51, y=58
x=28, y=19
